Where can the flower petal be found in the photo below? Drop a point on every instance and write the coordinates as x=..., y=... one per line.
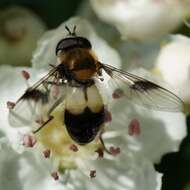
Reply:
x=141, y=20
x=13, y=86
x=160, y=132
x=127, y=171
x=20, y=30
x=173, y=63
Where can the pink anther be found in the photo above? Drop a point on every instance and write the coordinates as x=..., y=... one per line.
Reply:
x=108, y=116
x=40, y=120
x=55, y=91
x=93, y=173
x=47, y=153
x=118, y=93
x=114, y=151
x=10, y=105
x=29, y=141
x=73, y=147
x=25, y=74
x=100, y=152
x=55, y=175
x=134, y=127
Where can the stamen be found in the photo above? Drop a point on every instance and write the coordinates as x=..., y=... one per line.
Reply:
x=25, y=74
x=100, y=152
x=118, y=93
x=55, y=91
x=10, y=105
x=114, y=151
x=47, y=153
x=73, y=147
x=108, y=116
x=134, y=127
x=40, y=120
x=93, y=173
x=29, y=141
x=55, y=175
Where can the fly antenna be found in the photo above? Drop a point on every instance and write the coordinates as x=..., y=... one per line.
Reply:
x=68, y=30
x=73, y=33
x=74, y=30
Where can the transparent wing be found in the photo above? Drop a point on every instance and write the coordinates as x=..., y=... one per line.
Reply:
x=142, y=91
x=36, y=104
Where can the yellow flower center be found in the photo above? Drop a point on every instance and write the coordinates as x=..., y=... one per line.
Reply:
x=64, y=150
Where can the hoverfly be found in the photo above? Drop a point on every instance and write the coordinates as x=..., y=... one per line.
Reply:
x=73, y=81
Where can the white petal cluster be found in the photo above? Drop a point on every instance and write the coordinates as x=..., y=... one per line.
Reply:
x=160, y=132
x=173, y=63
x=142, y=19
x=27, y=172
x=24, y=171
x=19, y=32
x=31, y=171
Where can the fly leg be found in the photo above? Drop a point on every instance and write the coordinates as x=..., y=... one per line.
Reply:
x=104, y=146
x=100, y=76
x=46, y=122
x=114, y=151
x=50, y=117
x=55, y=104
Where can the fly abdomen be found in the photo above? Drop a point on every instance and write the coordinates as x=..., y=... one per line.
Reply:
x=84, y=127
x=84, y=113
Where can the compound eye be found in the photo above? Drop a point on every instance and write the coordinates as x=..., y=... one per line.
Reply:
x=61, y=46
x=73, y=42
x=58, y=52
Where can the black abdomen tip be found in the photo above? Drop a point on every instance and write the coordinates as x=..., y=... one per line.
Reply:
x=84, y=127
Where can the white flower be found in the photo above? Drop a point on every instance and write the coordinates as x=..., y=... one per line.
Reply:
x=142, y=19
x=126, y=170
x=19, y=32
x=30, y=169
x=23, y=171
x=173, y=63
x=26, y=172
x=161, y=132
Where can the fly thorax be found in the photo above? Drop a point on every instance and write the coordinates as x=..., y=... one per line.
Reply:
x=80, y=62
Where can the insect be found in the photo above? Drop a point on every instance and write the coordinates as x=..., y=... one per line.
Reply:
x=73, y=81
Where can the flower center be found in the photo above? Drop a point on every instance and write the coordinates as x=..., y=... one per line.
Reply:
x=55, y=142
